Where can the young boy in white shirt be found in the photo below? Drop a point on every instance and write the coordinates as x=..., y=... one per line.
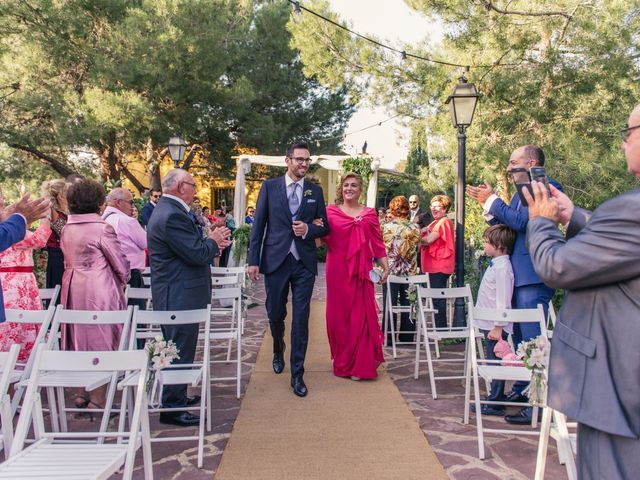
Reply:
x=496, y=290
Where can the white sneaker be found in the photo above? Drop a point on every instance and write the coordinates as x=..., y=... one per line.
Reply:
x=353, y=377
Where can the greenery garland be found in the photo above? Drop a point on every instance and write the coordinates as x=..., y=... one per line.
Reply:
x=241, y=241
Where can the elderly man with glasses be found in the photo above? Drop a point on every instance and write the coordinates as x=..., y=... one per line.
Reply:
x=121, y=215
x=594, y=365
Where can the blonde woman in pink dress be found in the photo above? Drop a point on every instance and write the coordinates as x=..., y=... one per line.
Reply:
x=20, y=288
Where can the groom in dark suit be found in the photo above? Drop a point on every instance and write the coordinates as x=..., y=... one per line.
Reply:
x=282, y=247
x=180, y=276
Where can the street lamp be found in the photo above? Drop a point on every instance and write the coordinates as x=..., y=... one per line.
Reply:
x=462, y=105
x=177, y=147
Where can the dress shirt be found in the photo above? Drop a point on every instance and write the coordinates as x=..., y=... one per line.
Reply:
x=413, y=214
x=130, y=234
x=496, y=290
x=179, y=200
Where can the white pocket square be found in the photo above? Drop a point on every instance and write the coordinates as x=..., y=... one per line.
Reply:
x=311, y=200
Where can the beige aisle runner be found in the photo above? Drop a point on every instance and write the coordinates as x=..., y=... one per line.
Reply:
x=341, y=430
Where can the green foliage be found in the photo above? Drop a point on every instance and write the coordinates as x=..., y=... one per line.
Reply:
x=359, y=165
x=241, y=237
x=119, y=77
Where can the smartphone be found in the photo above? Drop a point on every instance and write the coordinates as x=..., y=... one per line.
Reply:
x=539, y=174
x=522, y=181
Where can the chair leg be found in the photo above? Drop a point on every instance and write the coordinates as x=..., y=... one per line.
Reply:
x=479, y=426
x=543, y=443
x=432, y=380
x=52, y=400
x=239, y=366
x=123, y=412
x=61, y=409
x=203, y=411
x=416, y=368
x=6, y=416
x=467, y=383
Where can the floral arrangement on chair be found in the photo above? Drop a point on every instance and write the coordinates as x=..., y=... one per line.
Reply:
x=534, y=355
x=160, y=355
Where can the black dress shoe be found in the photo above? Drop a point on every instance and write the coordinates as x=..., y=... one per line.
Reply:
x=523, y=417
x=486, y=409
x=516, y=397
x=181, y=419
x=278, y=362
x=191, y=401
x=299, y=388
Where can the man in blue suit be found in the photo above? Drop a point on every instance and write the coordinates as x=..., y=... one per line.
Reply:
x=13, y=225
x=282, y=247
x=147, y=210
x=529, y=291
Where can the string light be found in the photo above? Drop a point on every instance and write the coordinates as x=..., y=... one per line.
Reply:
x=403, y=53
x=297, y=11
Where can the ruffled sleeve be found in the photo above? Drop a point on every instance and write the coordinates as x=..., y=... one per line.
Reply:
x=443, y=247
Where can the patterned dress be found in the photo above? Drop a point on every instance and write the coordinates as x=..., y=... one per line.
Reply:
x=20, y=290
x=401, y=239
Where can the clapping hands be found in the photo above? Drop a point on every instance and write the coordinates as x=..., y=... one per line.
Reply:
x=221, y=235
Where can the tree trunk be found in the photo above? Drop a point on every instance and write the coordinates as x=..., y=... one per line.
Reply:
x=153, y=159
x=57, y=165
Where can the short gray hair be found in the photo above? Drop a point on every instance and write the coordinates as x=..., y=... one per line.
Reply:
x=171, y=179
x=116, y=194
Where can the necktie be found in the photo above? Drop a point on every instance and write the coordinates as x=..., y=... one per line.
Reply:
x=294, y=203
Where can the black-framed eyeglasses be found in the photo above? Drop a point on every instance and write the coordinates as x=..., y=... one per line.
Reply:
x=412, y=203
x=189, y=183
x=625, y=133
x=130, y=202
x=301, y=160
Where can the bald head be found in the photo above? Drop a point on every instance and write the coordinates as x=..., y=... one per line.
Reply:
x=180, y=183
x=121, y=199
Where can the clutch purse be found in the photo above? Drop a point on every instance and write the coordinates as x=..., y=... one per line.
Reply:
x=375, y=275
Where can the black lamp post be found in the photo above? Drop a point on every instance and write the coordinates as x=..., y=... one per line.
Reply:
x=462, y=105
x=177, y=147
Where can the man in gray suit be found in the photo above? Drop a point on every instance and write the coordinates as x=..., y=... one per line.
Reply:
x=180, y=276
x=594, y=373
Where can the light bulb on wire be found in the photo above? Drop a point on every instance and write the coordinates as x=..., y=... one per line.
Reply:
x=297, y=12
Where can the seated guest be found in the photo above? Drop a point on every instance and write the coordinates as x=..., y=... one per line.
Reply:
x=401, y=240
x=95, y=275
x=120, y=214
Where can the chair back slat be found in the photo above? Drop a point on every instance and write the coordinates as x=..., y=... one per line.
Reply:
x=222, y=281
x=438, y=293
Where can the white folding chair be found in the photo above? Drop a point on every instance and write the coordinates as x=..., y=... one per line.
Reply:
x=551, y=323
x=398, y=310
x=240, y=273
x=132, y=293
x=68, y=455
x=566, y=443
x=89, y=380
x=196, y=373
x=230, y=330
x=49, y=296
x=428, y=333
x=7, y=365
x=23, y=370
x=491, y=370
x=146, y=281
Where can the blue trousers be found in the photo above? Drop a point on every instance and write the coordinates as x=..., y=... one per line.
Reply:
x=529, y=296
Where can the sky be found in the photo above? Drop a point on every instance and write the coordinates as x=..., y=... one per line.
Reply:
x=393, y=22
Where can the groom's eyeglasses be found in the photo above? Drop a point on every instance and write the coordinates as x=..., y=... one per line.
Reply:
x=301, y=160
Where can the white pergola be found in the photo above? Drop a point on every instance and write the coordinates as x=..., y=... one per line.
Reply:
x=332, y=163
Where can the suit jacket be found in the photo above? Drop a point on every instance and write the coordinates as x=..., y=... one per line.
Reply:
x=517, y=219
x=422, y=219
x=179, y=259
x=146, y=212
x=595, y=365
x=272, y=233
x=12, y=230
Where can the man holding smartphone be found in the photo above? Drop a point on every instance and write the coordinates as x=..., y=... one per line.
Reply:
x=529, y=290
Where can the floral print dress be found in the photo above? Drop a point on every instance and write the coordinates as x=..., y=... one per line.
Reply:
x=20, y=290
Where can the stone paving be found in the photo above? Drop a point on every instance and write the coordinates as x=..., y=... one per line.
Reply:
x=508, y=456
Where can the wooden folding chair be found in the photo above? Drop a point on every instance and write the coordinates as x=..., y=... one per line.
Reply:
x=68, y=455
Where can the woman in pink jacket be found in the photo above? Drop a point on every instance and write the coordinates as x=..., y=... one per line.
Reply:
x=95, y=274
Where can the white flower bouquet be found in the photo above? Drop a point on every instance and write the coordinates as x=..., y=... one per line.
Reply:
x=535, y=356
x=160, y=353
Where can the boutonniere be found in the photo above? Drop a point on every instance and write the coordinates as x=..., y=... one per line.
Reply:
x=308, y=193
